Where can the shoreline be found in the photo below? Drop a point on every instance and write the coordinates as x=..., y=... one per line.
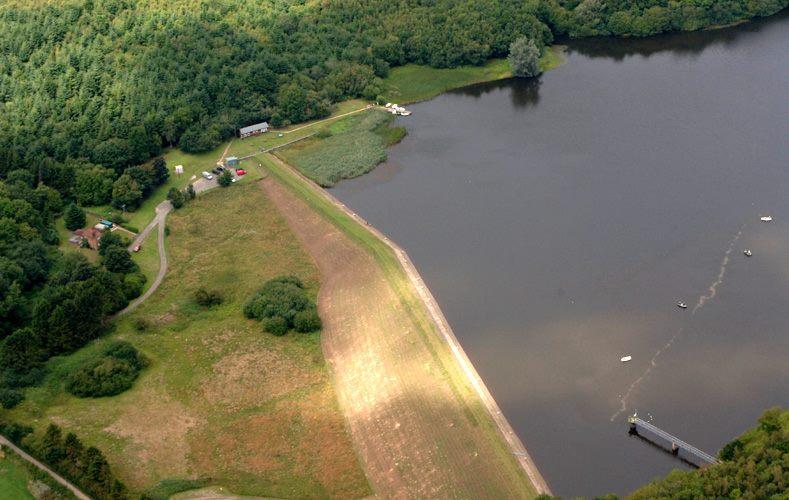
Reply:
x=505, y=430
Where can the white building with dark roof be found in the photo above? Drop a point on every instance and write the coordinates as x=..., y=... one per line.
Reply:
x=256, y=129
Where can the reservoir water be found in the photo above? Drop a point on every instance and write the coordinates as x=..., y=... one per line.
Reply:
x=559, y=220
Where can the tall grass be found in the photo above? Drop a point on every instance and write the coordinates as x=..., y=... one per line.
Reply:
x=347, y=148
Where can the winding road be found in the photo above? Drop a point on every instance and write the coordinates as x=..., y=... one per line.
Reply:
x=162, y=210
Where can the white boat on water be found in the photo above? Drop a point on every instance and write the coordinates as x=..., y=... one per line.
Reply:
x=766, y=218
x=625, y=359
x=404, y=113
x=682, y=305
x=747, y=252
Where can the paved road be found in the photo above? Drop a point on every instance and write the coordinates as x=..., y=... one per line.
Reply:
x=76, y=491
x=162, y=210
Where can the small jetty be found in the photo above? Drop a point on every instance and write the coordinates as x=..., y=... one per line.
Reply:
x=677, y=447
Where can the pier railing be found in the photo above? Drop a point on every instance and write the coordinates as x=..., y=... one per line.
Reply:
x=670, y=443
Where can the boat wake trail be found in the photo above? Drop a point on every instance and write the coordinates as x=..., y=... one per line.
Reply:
x=652, y=364
x=703, y=299
x=713, y=289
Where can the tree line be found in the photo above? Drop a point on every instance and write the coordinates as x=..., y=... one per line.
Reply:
x=85, y=466
x=51, y=303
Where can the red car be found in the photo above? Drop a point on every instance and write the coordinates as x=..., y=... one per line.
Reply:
x=240, y=171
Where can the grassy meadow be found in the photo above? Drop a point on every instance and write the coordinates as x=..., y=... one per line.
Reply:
x=412, y=83
x=222, y=402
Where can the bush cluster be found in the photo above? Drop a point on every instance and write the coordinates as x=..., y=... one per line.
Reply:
x=111, y=373
x=207, y=298
x=282, y=305
x=10, y=397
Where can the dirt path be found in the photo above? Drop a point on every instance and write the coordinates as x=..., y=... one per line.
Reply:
x=318, y=122
x=412, y=399
x=162, y=210
x=73, y=489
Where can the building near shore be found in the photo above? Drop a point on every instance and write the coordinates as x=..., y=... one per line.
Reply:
x=256, y=129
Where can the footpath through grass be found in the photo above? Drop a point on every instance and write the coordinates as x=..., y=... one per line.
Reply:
x=222, y=402
x=412, y=83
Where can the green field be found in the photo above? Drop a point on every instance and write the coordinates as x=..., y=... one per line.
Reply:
x=148, y=258
x=412, y=83
x=345, y=148
x=16, y=476
x=222, y=402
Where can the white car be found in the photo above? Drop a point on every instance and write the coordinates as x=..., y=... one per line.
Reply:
x=208, y=176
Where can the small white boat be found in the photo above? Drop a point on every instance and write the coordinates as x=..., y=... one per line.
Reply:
x=404, y=113
x=747, y=252
x=682, y=305
x=625, y=359
x=766, y=218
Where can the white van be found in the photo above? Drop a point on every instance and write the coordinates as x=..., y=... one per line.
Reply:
x=208, y=175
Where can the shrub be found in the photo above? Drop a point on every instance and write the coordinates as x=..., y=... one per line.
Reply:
x=133, y=284
x=225, y=178
x=276, y=325
x=207, y=298
x=15, y=432
x=109, y=374
x=10, y=397
x=107, y=241
x=176, y=197
x=118, y=260
x=524, y=58
x=282, y=304
x=140, y=324
x=307, y=321
x=277, y=299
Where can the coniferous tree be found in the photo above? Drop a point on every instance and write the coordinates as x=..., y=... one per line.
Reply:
x=75, y=217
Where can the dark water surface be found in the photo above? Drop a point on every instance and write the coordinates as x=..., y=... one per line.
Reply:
x=558, y=221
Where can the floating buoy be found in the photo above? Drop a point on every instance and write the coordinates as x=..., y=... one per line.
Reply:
x=625, y=359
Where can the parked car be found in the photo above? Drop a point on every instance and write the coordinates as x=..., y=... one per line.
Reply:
x=216, y=171
x=136, y=248
x=220, y=168
x=208, y=176
x=240, y=171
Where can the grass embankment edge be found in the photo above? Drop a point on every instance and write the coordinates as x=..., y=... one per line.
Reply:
x=413, y=83
x=395, y=272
